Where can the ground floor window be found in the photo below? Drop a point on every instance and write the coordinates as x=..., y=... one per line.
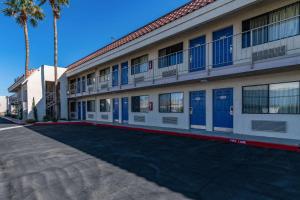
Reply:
x=105, y=105
x=73, y=107
x=91, y=106
x=281, y=98
x=171, y=103
x=140, y=104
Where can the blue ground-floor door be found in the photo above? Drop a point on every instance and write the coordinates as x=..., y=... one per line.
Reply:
x=223, y=109
x=222, y=47
x=197, y=54
x=79, y=110
x=116, y=110
x=125, y=109
x=84, y=110
x=198, y=109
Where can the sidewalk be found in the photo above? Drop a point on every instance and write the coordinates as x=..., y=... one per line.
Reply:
x=257, y=141
x=13, y=120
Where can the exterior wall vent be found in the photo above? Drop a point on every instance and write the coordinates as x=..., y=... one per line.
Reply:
x=104, y=117
x=170, y=120
x=269, y=126
x=91, y=116
x=269, y=53
x=169, y=73
x=139, y=118
x=104, y=86
x=139, y=79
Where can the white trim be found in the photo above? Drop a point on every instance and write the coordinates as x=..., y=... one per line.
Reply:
x=223, y=129
x=198, y=127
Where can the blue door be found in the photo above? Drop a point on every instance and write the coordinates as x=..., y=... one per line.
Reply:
x=79, y=110
x=125, y=109
x=222, y=47
x=78, y=85
x=124, y=73
x=115, y=75
x=198, y=110
x=197, y=54
x=84, y=110
x=116, y=110
x=223, y=109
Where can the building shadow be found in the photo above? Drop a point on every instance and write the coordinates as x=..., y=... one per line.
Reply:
x=196, y=169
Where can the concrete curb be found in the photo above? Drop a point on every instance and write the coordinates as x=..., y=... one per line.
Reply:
x=15, y=121
x=268, y=145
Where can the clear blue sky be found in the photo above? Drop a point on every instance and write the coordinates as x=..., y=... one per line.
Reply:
x=85, y=26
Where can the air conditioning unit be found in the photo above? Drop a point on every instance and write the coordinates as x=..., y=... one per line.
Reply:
x=269, y=53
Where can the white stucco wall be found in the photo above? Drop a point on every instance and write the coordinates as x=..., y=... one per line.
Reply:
x=3, y=104
x=242, y=122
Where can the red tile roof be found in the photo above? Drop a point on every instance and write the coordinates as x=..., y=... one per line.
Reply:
x=190, y=7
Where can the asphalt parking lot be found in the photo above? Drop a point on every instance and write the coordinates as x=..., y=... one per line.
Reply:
x=85, y=162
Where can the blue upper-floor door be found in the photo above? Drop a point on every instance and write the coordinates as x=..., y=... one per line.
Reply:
x=124, y=73
x=222, y=47
x=115, y=75
x=197, y=54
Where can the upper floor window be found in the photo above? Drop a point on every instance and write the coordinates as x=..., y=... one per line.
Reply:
x=171, y=103
x=171, y=55
x=91, y=106
x=140, y=104
x=275, y=25
x=90, y=79
x=104, y=105
x=104, y=74
x=281, y=98
x=139, y=65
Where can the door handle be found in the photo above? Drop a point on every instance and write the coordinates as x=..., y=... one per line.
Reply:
x=231, y=110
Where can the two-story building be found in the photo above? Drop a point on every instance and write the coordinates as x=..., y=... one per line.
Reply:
x=38, y=87
x=216, y=65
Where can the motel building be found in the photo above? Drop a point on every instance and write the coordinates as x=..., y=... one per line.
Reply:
x=38, y=86
x=222, y=66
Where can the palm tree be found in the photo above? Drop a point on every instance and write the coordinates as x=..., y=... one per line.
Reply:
x=24, y=11
x=56, y=9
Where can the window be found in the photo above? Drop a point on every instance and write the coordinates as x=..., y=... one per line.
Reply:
x=91, y=106
x=278, y=24
x=105, y=105
x=91, y=79
x=104, y=75
x=73, y=107
x=170, y=56
x=255, y=99
x=83, y=84
x=78, y=85
x=140, y=104
x=282, y=98
x=171, y=103
x=139, y=65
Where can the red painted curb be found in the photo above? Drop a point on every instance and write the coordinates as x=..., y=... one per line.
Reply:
x=187, y=135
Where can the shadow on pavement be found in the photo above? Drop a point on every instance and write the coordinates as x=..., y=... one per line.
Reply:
x=197, y=169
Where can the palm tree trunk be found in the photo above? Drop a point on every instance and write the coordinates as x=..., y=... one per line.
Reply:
x=27, y=50
x=56, y=111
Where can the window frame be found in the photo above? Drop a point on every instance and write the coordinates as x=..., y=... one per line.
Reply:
x=132, y=71
x=87, y=106
x=107, y=105
x=246, y=44
x=268, y=113
x=162, y=58
x=170, y=102
x=133, y=110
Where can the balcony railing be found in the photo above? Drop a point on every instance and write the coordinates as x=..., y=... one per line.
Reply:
x=247, y=48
